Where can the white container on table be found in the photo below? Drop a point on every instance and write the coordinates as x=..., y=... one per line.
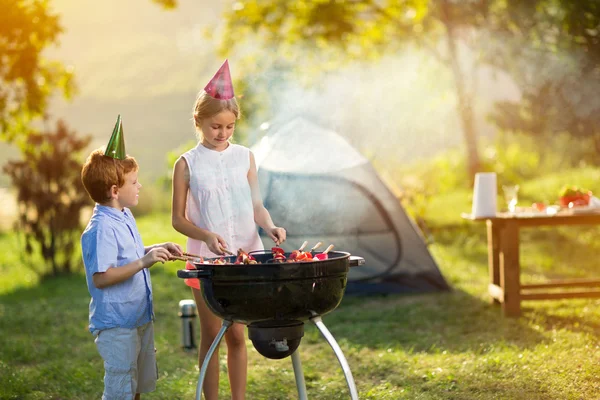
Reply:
x=485, y=194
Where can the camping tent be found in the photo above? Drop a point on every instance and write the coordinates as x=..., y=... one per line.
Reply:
x=319, y=188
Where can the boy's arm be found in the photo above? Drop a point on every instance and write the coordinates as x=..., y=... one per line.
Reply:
x=113, y=275
x=172, y=248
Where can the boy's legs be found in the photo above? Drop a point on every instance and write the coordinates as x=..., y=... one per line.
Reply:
x=146, y=361
x=129, y=361
x=118, y=348
x=210, y=325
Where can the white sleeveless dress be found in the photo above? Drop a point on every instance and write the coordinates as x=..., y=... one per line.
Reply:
x=219, y=198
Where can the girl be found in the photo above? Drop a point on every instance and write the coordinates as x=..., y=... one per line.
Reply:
x=217, y=205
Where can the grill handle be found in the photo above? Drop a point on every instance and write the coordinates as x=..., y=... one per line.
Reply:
x=356, y=261
x=194, y=273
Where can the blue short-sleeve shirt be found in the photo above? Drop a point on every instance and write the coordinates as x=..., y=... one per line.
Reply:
x=111, y=240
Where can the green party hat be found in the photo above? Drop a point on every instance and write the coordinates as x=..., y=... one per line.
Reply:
x=116, y=145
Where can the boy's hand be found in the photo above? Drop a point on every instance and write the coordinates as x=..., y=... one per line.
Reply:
x=173, y=248
x=278, y=235
x=155, y=255
x=216, y=243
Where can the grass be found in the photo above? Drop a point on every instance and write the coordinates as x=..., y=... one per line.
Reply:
x=452, y=345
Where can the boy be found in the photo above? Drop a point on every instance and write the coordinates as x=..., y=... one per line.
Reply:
x=116, y=267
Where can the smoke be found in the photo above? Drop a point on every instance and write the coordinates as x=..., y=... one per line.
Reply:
x=397, y=109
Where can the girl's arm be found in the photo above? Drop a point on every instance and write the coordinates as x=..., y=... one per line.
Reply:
x=181, y=186
x=261, y=214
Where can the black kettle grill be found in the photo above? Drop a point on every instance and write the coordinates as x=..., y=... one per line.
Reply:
x=274, y=299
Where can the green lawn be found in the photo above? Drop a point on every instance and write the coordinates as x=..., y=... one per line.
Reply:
x=452, y=345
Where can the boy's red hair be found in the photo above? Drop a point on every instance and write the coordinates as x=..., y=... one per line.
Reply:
x=100, y=173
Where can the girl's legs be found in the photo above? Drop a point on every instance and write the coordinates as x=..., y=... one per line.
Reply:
x=209, y=328
x=237, y=360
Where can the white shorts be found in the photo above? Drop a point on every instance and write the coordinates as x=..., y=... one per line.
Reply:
x=129, y=361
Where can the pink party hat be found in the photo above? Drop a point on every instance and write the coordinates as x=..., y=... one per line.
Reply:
x=220, y=86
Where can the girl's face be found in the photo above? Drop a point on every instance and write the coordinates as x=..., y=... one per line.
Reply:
x=127, y=195
x=217, y=130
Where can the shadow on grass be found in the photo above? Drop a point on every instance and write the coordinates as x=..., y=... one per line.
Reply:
x=452, y=321
x=45, y=328
x=553, y=317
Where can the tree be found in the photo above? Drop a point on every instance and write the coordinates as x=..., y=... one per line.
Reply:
x=27, y=80
x=551, y=48
x=366, y=29
x=50, y=196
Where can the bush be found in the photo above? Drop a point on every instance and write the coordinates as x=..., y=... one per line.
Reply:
x=516, y=159
x=50, y=197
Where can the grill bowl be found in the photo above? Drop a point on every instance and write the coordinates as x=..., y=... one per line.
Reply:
x=273, y=291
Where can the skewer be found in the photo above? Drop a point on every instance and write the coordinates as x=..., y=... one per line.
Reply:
x=327, y=250
x=323, y=255
x=303, y=245
x=227, y=251
x=316, y=246
x=171, y=257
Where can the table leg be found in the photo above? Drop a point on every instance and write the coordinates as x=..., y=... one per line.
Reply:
x=493, y=243
x=510, y=269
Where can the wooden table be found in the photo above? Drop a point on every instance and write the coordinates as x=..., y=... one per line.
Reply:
x=505, y=286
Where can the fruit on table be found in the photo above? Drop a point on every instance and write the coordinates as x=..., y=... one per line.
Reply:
x=539, y=206
x=572, y=191
x=575, y=195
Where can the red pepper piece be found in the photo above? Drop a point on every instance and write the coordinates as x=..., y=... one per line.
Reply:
x=303, y=257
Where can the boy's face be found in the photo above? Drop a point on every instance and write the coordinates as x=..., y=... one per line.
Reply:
x=217, y=130
x=127, y=195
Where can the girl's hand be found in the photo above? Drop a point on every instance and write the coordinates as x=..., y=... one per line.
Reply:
x=216, y=243
x=173, y=248
x=278, y=235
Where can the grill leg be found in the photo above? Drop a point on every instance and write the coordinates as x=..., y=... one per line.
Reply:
x=340, y=356
x=211, y=350
x=299, y=375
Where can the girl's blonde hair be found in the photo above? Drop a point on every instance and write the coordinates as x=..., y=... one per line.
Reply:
x=207, y=107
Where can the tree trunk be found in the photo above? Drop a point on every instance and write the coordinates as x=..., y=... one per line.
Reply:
x=52, y=249
x=464, y=100
x=596, y=160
